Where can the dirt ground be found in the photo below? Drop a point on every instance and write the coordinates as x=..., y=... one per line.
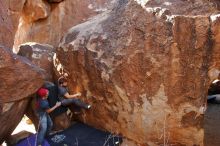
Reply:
x=212, y=125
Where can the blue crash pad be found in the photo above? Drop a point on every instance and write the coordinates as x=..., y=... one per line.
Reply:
x=83, y=135
x=30, y=141
x=77, y=135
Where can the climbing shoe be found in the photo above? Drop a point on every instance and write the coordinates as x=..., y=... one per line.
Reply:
x=88, y=106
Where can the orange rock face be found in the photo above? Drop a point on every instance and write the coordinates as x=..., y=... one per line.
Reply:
x=146, y=70
x=46, y=21
x=35, y=10
x=10, y=11
x=6, y=26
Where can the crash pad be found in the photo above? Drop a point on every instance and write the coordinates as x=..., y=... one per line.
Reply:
x=31, y=141
x=80, y=134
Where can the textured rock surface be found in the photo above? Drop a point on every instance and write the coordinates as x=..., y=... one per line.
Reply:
x=19, y=79
x=183, y=7
x=10, y=11
x=146, y=70
x=41, y=55
x=35, y=10
x=5, y=26
x=128, y=143
x=57, y=21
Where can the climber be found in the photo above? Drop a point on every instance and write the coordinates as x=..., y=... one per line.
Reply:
x=45, y=122
x=66, y=98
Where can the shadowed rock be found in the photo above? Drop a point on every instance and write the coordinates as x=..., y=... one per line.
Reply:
x=11, y=114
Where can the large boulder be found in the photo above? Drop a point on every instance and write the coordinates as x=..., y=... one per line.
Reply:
x=19, y=79
x=145, y=69
x=46, y=22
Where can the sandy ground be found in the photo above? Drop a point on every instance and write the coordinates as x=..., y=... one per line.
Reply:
x=24, y=126
x=212, y=125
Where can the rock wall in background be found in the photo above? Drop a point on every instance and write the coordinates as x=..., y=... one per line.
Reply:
x=146, y=67
x=40, y=55
x=10, y=11
x=46, y=21
x=5, y=26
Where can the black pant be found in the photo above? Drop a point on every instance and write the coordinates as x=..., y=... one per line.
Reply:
x=75, y=101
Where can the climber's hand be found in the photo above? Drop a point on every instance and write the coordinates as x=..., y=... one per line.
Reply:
x=78, y=94
x=58, y=104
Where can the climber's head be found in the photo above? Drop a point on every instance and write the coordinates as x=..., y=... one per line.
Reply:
x=43, y=93
x=63, y=82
